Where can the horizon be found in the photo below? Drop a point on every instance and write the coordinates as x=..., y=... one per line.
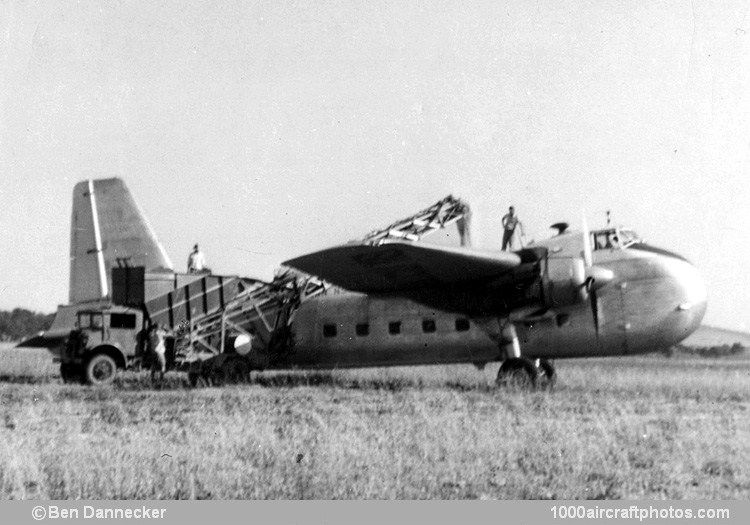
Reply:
x=265, y=132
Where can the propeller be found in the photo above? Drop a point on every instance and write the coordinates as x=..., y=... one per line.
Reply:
x=596, y=276
x=588, y=258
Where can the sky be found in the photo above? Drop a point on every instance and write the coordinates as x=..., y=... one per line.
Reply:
x=264, y=130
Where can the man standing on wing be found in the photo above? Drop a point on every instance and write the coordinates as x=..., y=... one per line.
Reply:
x=510, y=222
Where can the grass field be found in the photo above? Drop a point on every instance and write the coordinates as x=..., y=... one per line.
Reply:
x=612, y=428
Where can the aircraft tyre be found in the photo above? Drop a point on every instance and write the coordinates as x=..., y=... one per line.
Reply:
x=200, y=379
x=101, y=369
x=215, y=377
x=517, y=372
x=235, y=370
x=219, y=372
x=547, y=374
x=204, y=374
x=194, y=379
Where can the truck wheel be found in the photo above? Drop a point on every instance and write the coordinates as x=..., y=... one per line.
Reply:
x=100, y=370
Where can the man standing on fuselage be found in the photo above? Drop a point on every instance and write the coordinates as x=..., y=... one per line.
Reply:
x=196, y=261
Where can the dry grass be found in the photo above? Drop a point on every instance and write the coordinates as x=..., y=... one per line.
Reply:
x=613, y=428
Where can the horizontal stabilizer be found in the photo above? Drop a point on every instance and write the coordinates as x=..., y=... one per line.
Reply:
x=399, y=265
x=44, y=340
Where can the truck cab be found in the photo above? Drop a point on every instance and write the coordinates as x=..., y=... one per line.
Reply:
x=104, y=340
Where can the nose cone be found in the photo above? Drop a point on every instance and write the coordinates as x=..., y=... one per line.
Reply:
x=664, y=297
x=691, y=298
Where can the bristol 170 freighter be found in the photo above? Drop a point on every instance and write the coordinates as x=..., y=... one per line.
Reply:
x=395, y=299
x=577, y=294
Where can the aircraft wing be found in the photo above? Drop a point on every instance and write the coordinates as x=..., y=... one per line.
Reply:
x=398, y=265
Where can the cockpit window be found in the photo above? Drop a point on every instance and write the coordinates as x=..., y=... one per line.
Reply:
x=601, y=241
x=628, y=237
x=613, y=238
x=605, y=240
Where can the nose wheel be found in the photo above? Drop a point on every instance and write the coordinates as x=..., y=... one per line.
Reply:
x=527, y=374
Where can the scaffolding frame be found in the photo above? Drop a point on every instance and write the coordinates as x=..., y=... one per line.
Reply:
x=413, y=228
x=258, y=310
x=255, y=312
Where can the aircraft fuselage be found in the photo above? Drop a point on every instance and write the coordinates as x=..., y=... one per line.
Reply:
x=655, y=300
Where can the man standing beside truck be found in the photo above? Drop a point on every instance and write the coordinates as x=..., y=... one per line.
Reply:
x=158, y=351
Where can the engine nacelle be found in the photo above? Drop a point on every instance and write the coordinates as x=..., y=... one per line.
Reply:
x=568, y=281
x=565, y=281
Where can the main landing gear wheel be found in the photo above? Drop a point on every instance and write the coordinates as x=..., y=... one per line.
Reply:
x=199, y=379
x=517, y=372
x=194, y=379
x=219, y=371
x=236, y=370
x=547, y=374
x=216, y=377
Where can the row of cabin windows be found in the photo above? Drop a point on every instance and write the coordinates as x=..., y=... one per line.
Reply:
x=394, y=327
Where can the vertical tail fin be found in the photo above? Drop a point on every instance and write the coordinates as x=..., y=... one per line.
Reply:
x=108, y=229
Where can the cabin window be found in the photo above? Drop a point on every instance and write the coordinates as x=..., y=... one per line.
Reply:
x=462, y=325
x=329, y=330
x=394, y=327
x=428, y=326
x=122, y=321
x=362, y=329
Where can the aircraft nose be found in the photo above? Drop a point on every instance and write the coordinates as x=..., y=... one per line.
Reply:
x=691, y=297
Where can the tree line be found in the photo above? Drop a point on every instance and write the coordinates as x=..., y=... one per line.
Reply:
x=19, y=323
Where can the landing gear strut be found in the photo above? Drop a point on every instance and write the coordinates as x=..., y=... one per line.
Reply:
x=521, y=372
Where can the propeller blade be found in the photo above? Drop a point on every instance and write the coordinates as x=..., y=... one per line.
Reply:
x=596, y=277
x=595, y=309
x=588, y=258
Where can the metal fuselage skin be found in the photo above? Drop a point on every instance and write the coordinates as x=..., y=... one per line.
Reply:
x=655, y=300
